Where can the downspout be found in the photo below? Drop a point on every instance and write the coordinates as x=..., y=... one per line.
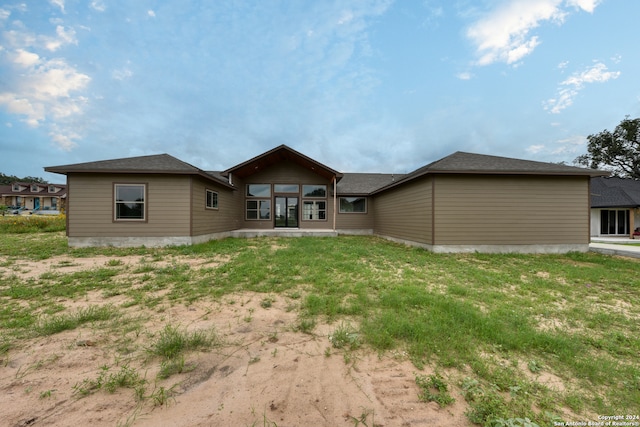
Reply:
x=335, y=189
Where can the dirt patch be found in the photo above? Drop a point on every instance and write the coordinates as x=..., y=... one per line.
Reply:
x=67, y=265
x=264, y=373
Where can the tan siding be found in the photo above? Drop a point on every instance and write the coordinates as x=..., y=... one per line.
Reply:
x=206, y=221
x=90, y=210
x=355, y=221
x=513, y=210
x=405, y=212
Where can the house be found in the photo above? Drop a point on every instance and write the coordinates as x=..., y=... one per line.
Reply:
x=463, y=202
x=33, y=195
x=615, y=206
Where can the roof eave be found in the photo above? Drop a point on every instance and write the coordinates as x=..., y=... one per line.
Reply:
x=202, y=174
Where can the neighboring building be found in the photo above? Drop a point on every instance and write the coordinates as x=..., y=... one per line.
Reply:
x=31, y=195
x=464, y=202
x=615, y=206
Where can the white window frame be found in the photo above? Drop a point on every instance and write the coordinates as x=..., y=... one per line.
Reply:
x=314, y=213
x=214, y=199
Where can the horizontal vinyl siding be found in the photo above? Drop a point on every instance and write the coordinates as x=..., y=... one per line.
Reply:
x=286, y=172
x=405, y=212
x=511, y=210
x=91, y=205
x=355, y=221
x=206, y=221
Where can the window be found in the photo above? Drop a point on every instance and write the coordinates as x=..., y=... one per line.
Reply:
x=52, y=189
x=614, y=221
x=258, y=209
x=314, y=191
x=130, y=201
x=258, y=190
x=212, y=200
x=34, y=188
x=54, y=203
x=353, y=205
x=15, y=187
x=286, y=188
x=314, y=210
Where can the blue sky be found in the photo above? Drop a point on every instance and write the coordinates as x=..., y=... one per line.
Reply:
x=361, y=86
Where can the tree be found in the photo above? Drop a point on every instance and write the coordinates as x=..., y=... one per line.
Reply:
x=8, y=179
x=617, y=151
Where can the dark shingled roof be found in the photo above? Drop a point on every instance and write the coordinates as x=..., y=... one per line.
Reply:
x=470, y=163
x=615, y=192
x=158, y=163
x=359, y=184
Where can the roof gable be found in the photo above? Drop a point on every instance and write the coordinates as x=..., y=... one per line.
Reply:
x=277, y=155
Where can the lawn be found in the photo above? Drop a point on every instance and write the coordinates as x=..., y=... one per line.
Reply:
x=548, y=338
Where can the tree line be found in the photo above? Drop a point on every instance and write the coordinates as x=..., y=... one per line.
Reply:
x=617, y=151
x=9, y=179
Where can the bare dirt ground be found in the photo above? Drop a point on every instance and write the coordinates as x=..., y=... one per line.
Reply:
x=265, y=373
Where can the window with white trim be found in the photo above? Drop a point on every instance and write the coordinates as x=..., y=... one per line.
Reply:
x=212, y=199
x=129, y=202
x=314, y=210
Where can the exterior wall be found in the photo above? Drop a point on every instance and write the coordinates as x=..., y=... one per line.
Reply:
x=405, y=212
x=90, y=206
x=511, y=210
x=285, y=172
x=364, y=222
x=28, y=201
x=206, y=221
x=634, y=221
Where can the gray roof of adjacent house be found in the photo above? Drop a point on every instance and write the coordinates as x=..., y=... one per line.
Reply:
x=361, y=184
x=470, y=163
x=615, y=192
x=158, y=163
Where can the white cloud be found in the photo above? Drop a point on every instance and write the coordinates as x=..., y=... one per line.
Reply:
x=64, y=139
x=151, y=13
x=98, y=5
x=122, y=73
x=26, y=59
x=464, y=75
x=586, y=5
x=535, y=149
x=571, y=86
x=4, y=14
x=504, y=34
x=64, y=37
x=40, y=90
x=59, y=3
x=570, y=146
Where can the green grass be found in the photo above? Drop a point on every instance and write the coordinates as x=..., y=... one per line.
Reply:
x=494, y=323
x=32, y=223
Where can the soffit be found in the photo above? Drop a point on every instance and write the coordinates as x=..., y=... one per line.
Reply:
x=277, y=155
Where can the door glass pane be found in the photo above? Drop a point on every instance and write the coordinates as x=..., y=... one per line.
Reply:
x=292, y=212
x=622, y=222
x=281, y=208
x=286, y=212
x=612, y=222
